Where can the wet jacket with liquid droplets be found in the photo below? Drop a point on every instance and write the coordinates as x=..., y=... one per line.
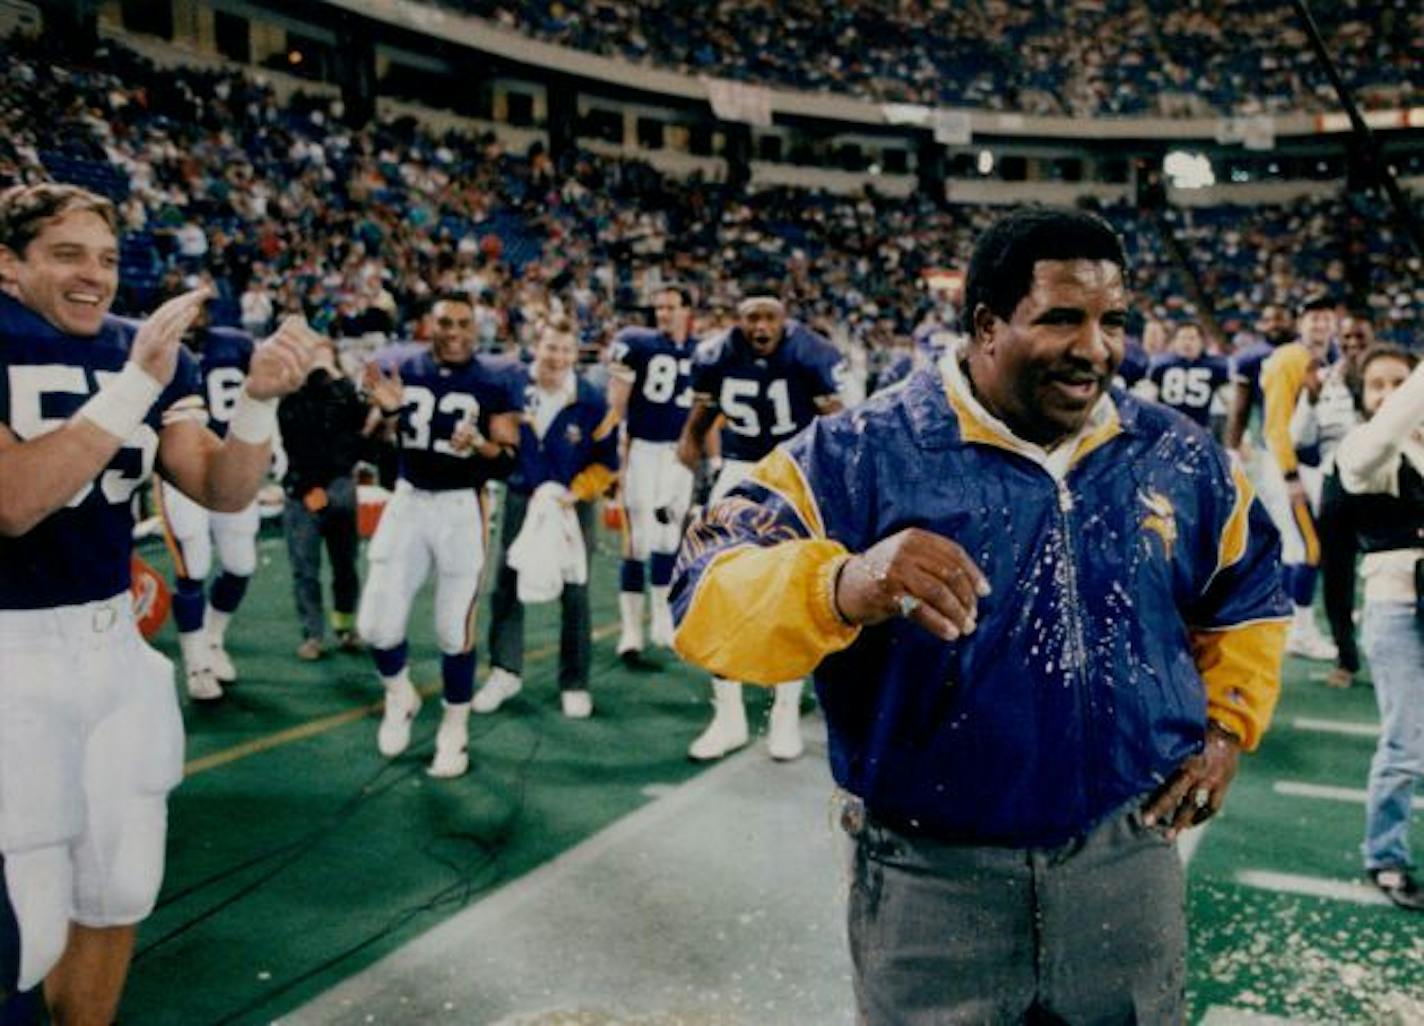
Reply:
x=1135, y=592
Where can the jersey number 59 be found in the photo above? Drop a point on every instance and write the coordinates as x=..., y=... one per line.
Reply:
x=31, y=389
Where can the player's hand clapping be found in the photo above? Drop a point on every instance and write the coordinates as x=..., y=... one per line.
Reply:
x=155, y=346
x=467, y=437
x=384, y=391
x=916, y=574
x=280, y=364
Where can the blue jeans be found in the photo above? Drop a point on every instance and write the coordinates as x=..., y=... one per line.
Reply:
x=1394, y=643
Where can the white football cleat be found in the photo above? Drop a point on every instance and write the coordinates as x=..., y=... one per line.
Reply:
x=402, y=703
x=203, y=685
x=630, y=639
x=500, y=686
x=452, y=744
x=661, y=629
x=578, y=705
x=222, y=666
x=783, y=738
x=728, y=730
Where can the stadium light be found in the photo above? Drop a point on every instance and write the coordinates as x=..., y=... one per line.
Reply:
x=1189, y=170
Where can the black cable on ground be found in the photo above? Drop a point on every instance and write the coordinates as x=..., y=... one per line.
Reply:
x=457, y=894
x=292, y=851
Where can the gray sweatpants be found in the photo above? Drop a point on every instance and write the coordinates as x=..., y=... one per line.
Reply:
x=1090, y=933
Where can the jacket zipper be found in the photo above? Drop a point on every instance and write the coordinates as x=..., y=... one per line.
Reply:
x=1077, y=642
x=1080, y=648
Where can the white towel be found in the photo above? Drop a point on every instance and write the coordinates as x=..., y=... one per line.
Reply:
x=548, y=551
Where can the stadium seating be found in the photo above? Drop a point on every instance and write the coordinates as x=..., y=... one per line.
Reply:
x=1108, y=57
x=355, y=228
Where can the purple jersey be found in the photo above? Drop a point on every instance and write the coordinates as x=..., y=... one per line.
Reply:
x=768, y=399
x=1133, y=367
x=1188, y=386
x=437, y=398
x=1245, y=369
x=661, y=374
x=224, y=354
x=79, y=553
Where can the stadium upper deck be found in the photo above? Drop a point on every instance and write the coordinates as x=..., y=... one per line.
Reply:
x=1085, y=57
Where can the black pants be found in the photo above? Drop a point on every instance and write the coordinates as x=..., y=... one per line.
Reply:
x=305, y=531
x=506, y=636
x=1338, y=549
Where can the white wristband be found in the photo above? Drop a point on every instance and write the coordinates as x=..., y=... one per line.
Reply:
x=254, y=421
x=121, y=405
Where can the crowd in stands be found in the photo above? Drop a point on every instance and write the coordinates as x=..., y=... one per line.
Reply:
x=1246, y=256
x=1083, y=57
x=285, y=208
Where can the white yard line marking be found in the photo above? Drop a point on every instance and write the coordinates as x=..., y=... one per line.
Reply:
x=1222, y=1015
x=1312, y=886
x=1337, y=727
x=1298, y=789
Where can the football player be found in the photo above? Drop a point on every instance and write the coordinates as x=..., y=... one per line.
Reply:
x=1276, y=327
x=223, y=356
x=1291, y=371
x=768, y=377
x=457, y=423
x=91, y=738
x=1186, y=377
x=649, y=389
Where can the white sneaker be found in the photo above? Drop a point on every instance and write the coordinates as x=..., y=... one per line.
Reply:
x=783, y=738
x=222, y=666
x=1305, y=639
x=203, y=685
x=500, y=686
x=578, y=705
x=452, y=746
x=1310, y=646
x=393, y=736
x=728, y=730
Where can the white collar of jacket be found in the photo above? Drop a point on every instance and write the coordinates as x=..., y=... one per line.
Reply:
x=978, y=425
x=567, y=391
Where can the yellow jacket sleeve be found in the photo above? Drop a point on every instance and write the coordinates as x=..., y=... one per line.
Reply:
x=1240, y=667
x=766, y=615
x=1282, y=380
